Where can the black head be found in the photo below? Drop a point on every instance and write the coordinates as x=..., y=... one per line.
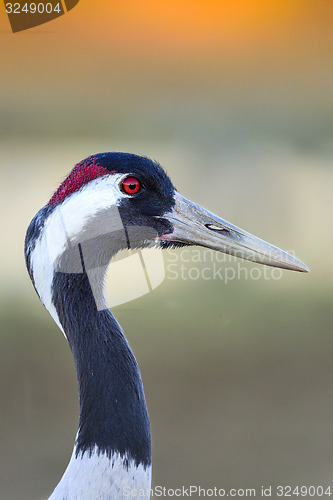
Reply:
x=128, y=200
x=143, y=206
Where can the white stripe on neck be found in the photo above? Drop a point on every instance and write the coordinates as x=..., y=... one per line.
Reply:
x=65, y=227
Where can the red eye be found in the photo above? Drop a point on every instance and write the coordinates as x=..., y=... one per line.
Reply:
x=130, y=185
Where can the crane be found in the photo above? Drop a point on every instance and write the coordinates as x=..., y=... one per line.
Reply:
x=110, y=202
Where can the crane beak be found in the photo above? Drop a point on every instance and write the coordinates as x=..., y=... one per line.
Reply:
x=194, y=225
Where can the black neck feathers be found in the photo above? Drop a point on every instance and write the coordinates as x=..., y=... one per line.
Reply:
x=113, y=413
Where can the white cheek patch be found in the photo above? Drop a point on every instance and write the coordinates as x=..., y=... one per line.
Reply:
x=43, y=272
x=77, y=220
x=94, y=197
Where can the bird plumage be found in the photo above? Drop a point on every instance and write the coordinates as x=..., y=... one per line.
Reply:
x=110, y=202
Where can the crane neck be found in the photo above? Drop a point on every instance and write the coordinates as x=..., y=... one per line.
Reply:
x=113, y=446
x=114, y=430
x=113, y=414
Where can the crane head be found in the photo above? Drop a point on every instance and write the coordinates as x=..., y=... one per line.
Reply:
x=129, y=201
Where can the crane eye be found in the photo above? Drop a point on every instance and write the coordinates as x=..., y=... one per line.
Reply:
x=130, y=185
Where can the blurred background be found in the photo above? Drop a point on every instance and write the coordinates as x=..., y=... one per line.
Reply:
x=234, y=98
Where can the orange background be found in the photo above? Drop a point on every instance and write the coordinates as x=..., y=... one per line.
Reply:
x=234, y=98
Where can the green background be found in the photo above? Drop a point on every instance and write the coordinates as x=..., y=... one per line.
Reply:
x=235, y=100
